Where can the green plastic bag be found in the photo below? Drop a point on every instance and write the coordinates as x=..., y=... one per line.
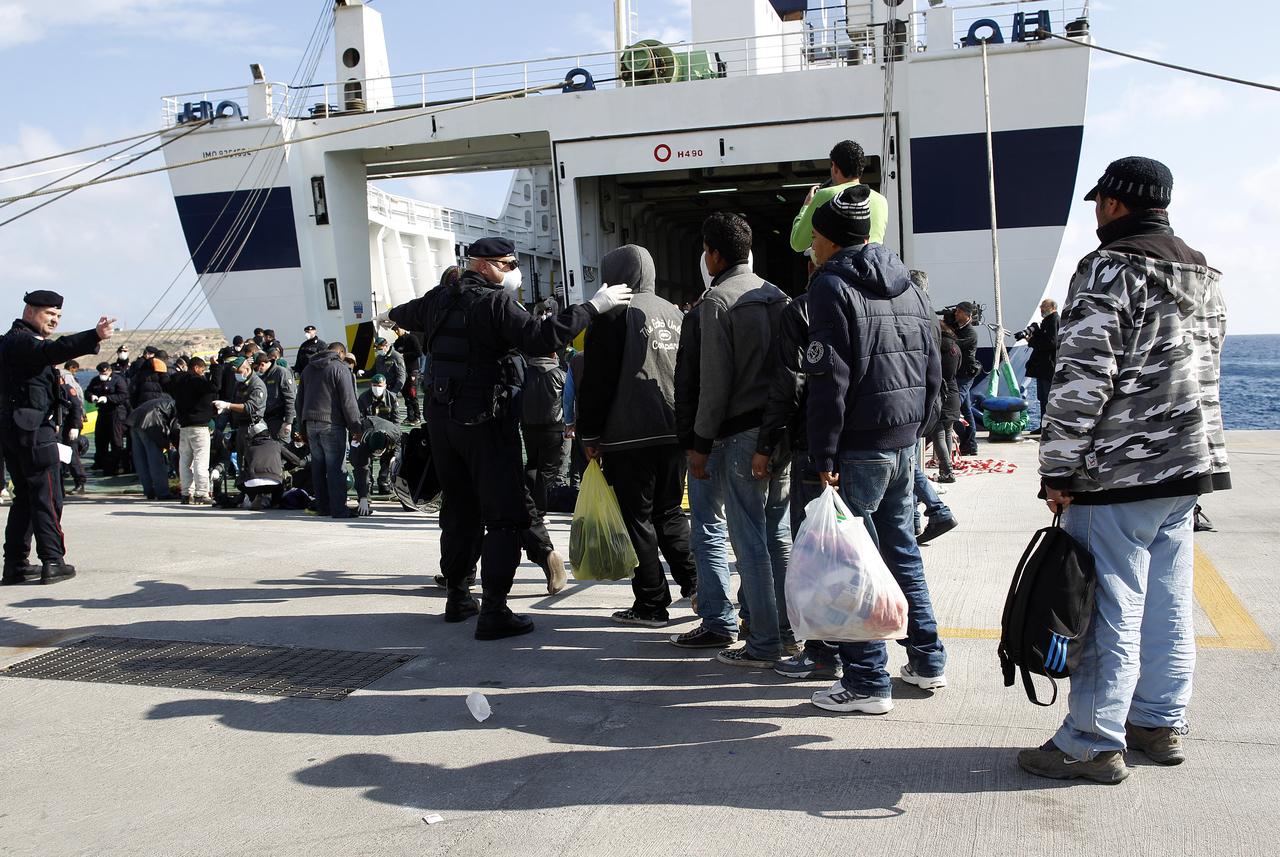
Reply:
x=599, y=546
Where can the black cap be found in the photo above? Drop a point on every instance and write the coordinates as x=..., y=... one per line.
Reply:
x=965, y=306
x=845, y=219
x=239, y=340
x=43, y=298
x=1137, y=182
x=492, y=248
x=309, y=328
x=104, y=367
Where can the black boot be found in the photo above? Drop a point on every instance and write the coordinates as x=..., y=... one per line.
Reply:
x=17, y=573
x=460, y=605
x=501, y=623
x=79, y=488
x=444, y=584
x=56, y=571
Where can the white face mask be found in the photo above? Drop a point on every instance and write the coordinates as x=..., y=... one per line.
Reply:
x=706, y=275
x=512, y=279
x=379, y=392
x=102, y=377
x=124, y=355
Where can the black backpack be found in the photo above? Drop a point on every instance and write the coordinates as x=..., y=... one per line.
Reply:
x=1048, y=610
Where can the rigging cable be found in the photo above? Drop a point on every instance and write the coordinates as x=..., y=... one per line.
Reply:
x=1241, y=81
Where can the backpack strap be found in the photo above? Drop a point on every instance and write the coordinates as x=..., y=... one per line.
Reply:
x=1030, y=687
x=1006, y=663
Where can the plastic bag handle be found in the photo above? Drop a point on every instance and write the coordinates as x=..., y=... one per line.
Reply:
x=838, y=502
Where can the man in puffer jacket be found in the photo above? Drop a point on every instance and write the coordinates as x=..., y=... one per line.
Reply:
x=874, y=378
x=1133, y=435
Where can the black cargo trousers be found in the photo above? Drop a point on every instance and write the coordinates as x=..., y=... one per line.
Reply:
x=37, y=500
x=486, y=511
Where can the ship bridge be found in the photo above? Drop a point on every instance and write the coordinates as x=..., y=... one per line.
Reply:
x=639, y=144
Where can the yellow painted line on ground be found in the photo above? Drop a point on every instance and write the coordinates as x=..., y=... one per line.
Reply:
x=1236, y=628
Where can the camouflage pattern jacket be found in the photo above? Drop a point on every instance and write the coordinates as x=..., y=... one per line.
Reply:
x=1134, y=412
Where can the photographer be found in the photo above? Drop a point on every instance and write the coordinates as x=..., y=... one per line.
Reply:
x=1043, y=339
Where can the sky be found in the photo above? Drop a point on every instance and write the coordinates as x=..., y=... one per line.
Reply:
x=79, y=72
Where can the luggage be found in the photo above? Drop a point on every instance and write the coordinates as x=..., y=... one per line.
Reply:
x=1048, y=610
x=838, y=586
x=414, y=481
x=599, y=545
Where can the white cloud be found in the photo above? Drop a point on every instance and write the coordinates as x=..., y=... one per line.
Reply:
x=28, y=21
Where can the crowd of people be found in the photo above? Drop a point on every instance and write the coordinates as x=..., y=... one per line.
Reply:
x=755, y=400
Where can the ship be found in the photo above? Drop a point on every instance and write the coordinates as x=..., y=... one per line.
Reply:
x=276, y=185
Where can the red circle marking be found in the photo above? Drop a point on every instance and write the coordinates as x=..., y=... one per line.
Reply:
x=662, y=153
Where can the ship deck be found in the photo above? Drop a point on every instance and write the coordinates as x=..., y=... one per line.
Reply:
x=603, y=739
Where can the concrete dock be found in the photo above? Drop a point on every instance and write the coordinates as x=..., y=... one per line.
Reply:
x=603, y=739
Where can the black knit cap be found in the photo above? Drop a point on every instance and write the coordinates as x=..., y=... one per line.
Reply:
x=43, y=298
x=491, y=248
x=1137, y=182
x=845, y=219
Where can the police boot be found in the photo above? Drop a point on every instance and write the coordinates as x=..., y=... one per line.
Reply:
x=460, y=605
x=15, y=573
x=496, y=624
x=56, y=571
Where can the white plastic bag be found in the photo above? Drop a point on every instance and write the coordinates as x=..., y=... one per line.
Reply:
x=838, y=587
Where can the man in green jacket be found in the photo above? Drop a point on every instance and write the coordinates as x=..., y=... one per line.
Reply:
x=847, y=162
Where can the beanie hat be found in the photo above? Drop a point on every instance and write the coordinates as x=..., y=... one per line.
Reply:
x=845, y=219
x=1137, y=182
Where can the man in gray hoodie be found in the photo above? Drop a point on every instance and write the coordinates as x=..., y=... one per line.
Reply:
x=626, y=417
x=740, y=317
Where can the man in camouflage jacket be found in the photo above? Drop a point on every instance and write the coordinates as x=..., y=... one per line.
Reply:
x=1132, y=436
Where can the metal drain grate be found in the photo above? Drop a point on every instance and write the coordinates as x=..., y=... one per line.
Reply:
x=225, y=667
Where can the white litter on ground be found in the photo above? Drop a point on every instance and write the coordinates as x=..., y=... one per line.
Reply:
x=479, y=706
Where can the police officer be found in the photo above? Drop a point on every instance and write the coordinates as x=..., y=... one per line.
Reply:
x=29, y=405
x=471, y=327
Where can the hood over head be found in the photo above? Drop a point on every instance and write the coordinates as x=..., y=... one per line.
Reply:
x=871, y=266
x=630, y=264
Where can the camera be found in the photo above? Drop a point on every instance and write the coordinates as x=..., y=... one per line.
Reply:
x=1028, y=331
x=949, y=313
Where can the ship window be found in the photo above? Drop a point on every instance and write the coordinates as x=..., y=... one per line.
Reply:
x=528, y=192
x=353, y=90
x=351, y=58
x=546, y=221
x=544, y=197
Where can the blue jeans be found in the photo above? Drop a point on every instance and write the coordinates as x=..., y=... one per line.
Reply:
x=757, y=512
x=967, y=434
x=709, y=541
x=924, y=492
x=1140, y=650
x=150, y=464
x=877, y=484
x=328, y=443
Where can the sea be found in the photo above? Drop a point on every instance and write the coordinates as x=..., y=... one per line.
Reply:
x=1251, y=382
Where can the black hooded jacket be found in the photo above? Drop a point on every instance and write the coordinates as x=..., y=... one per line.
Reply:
x=873, y=362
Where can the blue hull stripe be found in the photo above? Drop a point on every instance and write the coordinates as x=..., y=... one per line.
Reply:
x=1035, y=179
x=271, y=243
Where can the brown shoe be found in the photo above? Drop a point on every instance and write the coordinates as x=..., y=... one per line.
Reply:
x=1162, y=744
x=1048, y=761
x=557, y=578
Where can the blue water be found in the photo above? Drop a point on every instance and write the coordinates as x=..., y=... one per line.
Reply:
x=1251, y=382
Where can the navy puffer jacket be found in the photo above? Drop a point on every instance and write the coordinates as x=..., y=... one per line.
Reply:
x=872, y=361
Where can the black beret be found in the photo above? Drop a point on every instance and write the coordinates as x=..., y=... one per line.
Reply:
x=1137, y=182
x=492, y=248
x=308, y=328
x=43, y=298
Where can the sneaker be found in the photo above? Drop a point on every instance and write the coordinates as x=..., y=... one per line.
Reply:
x=1050, y=762
x=804, y=668
x=836, y=698
x=936, y=527
x=701, y=638
x=631, y=617
x=1162, y=744
x=924, y=682
x=948, y=479
x=742, y=658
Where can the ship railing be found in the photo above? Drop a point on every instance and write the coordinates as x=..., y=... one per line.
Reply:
x=833, y=42
x=417, y=213
x=175, y=106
